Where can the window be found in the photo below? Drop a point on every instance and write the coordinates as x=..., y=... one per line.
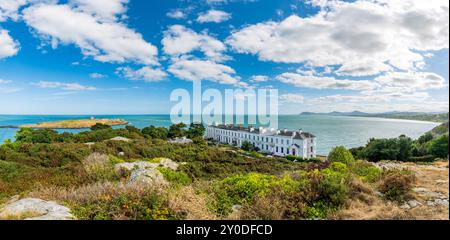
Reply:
x=287, y=142
x=282, y=141
x=282, y=149
x=312, y=149
x=276, y=149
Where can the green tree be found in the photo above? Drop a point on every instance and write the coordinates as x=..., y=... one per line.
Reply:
x=155, y=132
x=425, y=138
x=196, y=130
x=381, y=149
x=132, y=129
x=24, y=135
x=100, y=126
x=247, y=146
x=404, y=144
x=341, y=154
x=177, y=130
x=439, y=146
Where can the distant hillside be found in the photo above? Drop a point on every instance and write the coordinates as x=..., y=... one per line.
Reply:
x=431, y=117
x=440, y=130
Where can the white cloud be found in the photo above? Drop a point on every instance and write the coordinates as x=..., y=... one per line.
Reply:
x=259, y=78
x=177, y=14
x=9, y=9
x=194, y=70
x=362, y=68
x=412, y=80
x=106, y=10
x=105, y=41
x=96, y=75
x=317, y=82
x=292, y=98
x=9, y=90
x=4, y=81
x=345, y=33
x=64, y=86
x=179, y=40
x=8, y=47
x=146, y=74
x=215, y=16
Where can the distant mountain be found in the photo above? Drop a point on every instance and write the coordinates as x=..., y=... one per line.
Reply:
x=432, y=117
x=354, y=113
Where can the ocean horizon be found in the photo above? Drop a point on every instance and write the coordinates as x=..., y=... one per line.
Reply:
x=331, y=131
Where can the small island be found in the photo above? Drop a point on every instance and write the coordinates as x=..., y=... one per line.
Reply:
x=75, y=124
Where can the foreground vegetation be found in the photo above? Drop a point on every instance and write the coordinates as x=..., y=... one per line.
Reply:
x=212, y=181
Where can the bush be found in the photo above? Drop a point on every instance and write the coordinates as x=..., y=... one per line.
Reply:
x=247, y=146
x=366, y=171
x=341, y=154
x=176, y=177
x=242, y=189
x=400, y=149
x=99, y=167
x=100, y=126
x=439, y=146
x=396, y=185
x=142, y=204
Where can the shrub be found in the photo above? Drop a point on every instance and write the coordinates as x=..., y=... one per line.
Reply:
x=242, y=189
x=366, y=171
x=439, y=146
x=247, y=146
x=100, y=126
x=396, y=185
x=145, y=206
x=325, y=192
x=176, y=177
x=341, y=154
x=99, y=166
x=196, y=130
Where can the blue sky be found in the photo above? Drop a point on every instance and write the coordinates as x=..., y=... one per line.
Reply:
x=126, y=56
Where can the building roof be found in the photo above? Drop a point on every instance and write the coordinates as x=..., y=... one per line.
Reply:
x=285, y=133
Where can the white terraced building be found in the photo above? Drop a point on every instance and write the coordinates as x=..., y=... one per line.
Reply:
x=276, y=142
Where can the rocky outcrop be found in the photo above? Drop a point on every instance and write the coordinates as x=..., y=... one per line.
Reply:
x=149, y=176
x=130, y=166
x=35, y=209
x=168, y=163
x=146, y=172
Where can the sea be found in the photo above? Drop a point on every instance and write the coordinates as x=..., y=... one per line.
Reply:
x=330, y=131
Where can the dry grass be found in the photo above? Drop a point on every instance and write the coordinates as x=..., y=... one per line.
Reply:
x=21, y=216
x=96, y=162
x=90, y=192
x=190, y=205
x=269, y=207
x=434, y=177
x=376, y=210
x=369, y=206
